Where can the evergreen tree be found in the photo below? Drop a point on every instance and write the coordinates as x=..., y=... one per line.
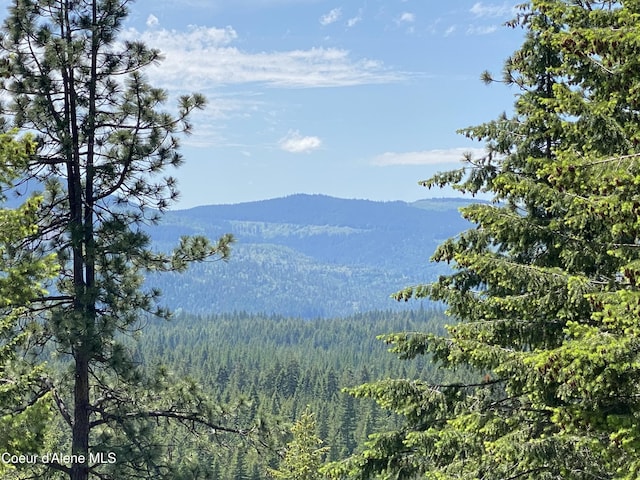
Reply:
x=545, y=290
x=104, y=144
x=25, y=402
x=303, y=455
x=237, y=469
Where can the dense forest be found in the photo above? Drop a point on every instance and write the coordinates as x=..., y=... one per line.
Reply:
x=531, y=372
x=273, y=368
x=265, y=372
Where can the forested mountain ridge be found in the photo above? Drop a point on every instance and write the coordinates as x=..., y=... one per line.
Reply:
x=308, y=255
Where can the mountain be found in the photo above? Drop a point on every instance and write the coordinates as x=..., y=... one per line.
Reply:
x=308, y=255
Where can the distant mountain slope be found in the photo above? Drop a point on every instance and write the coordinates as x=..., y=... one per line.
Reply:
x=308, y=255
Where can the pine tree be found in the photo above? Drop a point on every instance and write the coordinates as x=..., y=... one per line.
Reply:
x=303, y=455
x=104, y=143
x=544, y=296
x=25, y=402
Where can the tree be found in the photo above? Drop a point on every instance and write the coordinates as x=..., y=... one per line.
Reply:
x=25, y=403
x=104, y=144
x=303, y=455
x=544, y=291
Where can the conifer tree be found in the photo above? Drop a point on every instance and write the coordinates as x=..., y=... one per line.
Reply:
x=104, y=144
x=544, y=296
x=25, y=403
x=303, y=455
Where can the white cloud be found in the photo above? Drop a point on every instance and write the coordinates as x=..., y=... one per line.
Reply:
x=205, y=56
x=407, y=17
x=152, y=21
x=425, y=157
x=481, y=29
x=194, y=39
x=450, y=30
x=479, y=9
x=331, y=17
x=293, y=142
x=353, y=21
x=489, y=10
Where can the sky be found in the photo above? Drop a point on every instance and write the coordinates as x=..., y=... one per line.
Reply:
x=354, y=99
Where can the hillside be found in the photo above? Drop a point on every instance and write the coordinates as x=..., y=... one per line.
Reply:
x=308, y=255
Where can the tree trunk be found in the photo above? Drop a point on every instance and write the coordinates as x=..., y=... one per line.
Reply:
x=80, y=440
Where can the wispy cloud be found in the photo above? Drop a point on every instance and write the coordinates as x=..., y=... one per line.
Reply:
x=293, y=142
x=481, y=29
x=425, y=157
x=406, y=17
x=353, y=21
x=195, y=39
x=213, y=122
x=152, y=21
x=480, y=9
x=206, y=56
x=449, y=30
x=331, y=17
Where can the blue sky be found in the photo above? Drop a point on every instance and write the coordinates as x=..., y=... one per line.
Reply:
x=357, y=99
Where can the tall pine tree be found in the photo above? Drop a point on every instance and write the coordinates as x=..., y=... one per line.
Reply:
x=104, y=144
x=544, y=295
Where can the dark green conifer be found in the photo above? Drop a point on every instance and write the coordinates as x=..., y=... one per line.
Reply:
x=544, y=296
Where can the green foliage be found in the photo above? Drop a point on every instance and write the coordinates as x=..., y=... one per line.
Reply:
x=103, y=146
x=268, y=369
x=25, y=404
x=303, y=455
x=545, y=289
